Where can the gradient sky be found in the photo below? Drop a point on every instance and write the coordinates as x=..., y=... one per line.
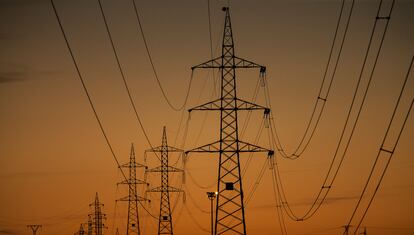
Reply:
x=53, y=157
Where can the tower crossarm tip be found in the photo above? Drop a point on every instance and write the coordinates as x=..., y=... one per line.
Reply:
x=213, y=63
x=208, y=148
x=243, y=63
x=246, y=105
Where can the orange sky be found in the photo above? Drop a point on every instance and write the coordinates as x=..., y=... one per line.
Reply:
x=53, y=157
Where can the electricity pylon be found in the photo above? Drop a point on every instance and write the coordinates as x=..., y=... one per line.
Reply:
x=81, y=231
x=90, y=227
x=230, y=218
x=133, y=198
x=34, y=227
x=165, y=217
x=97, y=217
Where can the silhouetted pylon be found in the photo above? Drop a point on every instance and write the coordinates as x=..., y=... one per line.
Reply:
x=165, y=218
x=133, y=198
x=90, y=226
x=81, y=231
x=97, y=217
x=34, y=227
x=230, y=218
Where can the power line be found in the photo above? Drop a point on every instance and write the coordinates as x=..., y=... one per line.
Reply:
x=326, y=186
x=121, y=71
x=153, y=65
x=88, y=95
x=321, y=99
x=381, y=150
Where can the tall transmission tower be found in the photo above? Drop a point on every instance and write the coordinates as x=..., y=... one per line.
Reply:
x=230, y=218
x=165, y=217
x=34, y=227
x=133, y=197
x=97, y=217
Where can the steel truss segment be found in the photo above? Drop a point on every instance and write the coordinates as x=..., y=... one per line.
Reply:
x=230, y=104
x=127, y=199
x=164, y=169
x=228, y=63
x=165, y=189
x=229, y=147
x=131, y=165
x=133, y=181
x=164, y=149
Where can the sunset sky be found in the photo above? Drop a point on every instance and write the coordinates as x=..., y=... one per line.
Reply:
x=53, y=157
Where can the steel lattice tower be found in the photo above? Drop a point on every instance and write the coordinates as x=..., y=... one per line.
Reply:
x=34, y=227
x=81, y=231
x=97, y=217
x=133, y=197
x=230, y=218
x=165, y=217
x=90, y=225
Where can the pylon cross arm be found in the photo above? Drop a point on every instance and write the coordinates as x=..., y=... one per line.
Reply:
x=164, y=148
x=217, y=105
x=212, y=105
x=208, y=148
x=243, y=63
x=127, y=199
x=247, y=147
x=164, y=169
x=244, y=147
x=238, y=63
x=214, y=63
x=129, y=165
x=136, y=181
x=246, y=105
x=165, y=189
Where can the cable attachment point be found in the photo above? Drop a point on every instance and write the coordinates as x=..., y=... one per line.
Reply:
x=320, y=98
x=386, y=150
x=266, y=115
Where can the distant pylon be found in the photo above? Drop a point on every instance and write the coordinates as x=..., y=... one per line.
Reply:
x=81, y=231
x=97, y=217
x=165, y=217
x=90, y=226
x=230, y=218
x=34, y=227
x=133, y=197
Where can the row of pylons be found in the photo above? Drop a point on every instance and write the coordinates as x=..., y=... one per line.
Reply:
x=229, y=210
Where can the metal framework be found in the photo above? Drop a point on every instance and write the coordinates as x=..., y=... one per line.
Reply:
x=97, y=217
x=34, y=227
x=133, y=198
x=90, y=226
x=81, y=231
x=230, y=218
x=165, y=217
